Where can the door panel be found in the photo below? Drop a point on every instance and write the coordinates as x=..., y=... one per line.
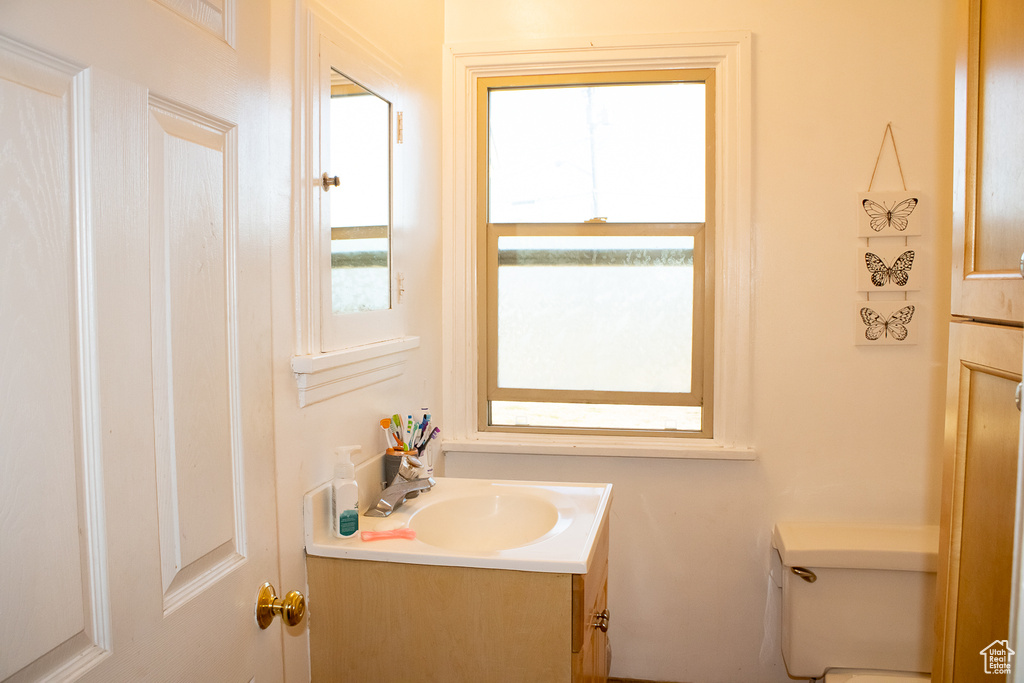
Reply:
x=989, y=490
x=988, y=206
x=192, y=229
x=48, y=470
x=213, y=15
x=979, y=496
x=134, y=344
x=999, y=238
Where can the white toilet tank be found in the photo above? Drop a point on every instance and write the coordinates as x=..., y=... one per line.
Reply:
x=871, y=604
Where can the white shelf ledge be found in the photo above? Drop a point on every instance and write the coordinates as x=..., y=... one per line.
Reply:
x=325, y=375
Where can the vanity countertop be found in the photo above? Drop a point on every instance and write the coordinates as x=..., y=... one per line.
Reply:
x=486, y=523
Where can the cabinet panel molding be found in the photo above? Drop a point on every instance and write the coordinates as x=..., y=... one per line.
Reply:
x=979, y=495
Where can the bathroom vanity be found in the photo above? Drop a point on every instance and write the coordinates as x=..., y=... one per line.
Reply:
x=470, y=608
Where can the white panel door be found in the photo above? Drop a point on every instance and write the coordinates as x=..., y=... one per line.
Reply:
x=137, y=497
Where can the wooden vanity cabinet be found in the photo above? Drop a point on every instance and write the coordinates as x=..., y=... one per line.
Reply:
x=384, y=621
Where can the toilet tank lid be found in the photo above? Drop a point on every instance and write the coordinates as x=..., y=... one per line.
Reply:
x=857, y=546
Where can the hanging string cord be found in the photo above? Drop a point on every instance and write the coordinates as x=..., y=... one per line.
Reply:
x=888, y=132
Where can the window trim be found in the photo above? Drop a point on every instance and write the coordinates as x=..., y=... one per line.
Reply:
x=728, y=53
x=701, y=389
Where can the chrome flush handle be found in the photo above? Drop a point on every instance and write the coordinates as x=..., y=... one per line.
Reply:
x=805, y=574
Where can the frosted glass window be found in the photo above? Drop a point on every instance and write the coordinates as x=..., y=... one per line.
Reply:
x=595, y=416
x=574, y=310
x=626, y=153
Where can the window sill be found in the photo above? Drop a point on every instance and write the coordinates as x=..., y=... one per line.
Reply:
x=653, y=447
x=325, y=375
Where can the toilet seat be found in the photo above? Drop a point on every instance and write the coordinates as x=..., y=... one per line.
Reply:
x=867, y=676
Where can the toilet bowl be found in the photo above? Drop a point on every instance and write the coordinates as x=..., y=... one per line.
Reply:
x=857, y=600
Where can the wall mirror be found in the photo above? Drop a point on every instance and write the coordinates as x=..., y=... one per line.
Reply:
x=357, y=184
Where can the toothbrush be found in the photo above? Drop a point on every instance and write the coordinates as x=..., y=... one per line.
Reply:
x=396, y=427
x=423, y=434
x=385, y=424
x=429, y=454
x=433, y=435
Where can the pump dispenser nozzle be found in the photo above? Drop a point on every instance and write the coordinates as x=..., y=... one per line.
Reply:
x=344, y=468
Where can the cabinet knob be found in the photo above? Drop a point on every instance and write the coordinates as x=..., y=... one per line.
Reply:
x=327, y=182
x=601, y=621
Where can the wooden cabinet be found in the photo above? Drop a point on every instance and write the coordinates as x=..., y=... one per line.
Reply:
x=979, y=497
x=981, y=449
x=384, y=621
x=988, y=162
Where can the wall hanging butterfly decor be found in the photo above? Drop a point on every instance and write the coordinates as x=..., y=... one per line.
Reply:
x=886, y=322
x=883, y=219
x=887, y=268
x=889, y=214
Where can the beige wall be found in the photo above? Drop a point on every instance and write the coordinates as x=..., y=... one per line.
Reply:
x=409, y=33
x=842, y=432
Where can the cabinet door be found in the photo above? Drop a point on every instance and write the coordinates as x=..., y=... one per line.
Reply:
x=979, y=497
x=988, y=206
x=590, y=617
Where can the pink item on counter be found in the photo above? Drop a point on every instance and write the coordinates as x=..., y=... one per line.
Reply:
x=390, y=533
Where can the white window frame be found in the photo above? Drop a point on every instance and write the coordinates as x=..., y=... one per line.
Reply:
x=729, y=55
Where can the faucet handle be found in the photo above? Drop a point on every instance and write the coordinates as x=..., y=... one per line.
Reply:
x=407, y=468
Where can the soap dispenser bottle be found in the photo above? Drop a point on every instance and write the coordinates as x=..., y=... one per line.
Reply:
x=345, y=494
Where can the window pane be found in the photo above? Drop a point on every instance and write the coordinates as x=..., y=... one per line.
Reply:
x=582, y=416
x=360, y=205
x=359, y=272
x=360, y=132
x=628, y=153
x=595, y=313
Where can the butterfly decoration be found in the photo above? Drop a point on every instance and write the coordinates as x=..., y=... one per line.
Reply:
x=882, y=216
x=895, y=325
x=882, y=274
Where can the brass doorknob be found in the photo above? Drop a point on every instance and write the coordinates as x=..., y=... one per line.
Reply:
x=268, y=606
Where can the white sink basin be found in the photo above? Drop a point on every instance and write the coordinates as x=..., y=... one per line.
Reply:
x=485, y=523
x=524, y=525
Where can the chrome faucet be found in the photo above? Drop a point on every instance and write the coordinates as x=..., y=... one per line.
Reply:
x=404, y=485
x=393, y=496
